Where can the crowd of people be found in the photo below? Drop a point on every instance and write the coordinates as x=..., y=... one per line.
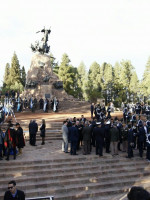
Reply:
x=12, y=105
x=104, y=132
x=13, y=102
x=11, y=141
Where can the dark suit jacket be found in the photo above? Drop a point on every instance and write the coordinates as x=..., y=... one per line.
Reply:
x=20, y=195
x=74, y=135
x=99, y=134
x=141, y=134
x=33, y=128
x=130, y=136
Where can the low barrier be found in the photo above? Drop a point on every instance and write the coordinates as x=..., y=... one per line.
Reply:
x=41, y=198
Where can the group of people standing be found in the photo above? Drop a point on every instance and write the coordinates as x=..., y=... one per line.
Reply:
x=9, y=140
x=11, y=105
x=139, y=108
x=100, y=112
x=111, y=134
x=12, y=140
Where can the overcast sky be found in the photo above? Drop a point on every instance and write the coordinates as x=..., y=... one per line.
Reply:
x=87, y=30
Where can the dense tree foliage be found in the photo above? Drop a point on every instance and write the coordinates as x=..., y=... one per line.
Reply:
x=6, y=75
x=145, y=85
x=67, y=73
x=117, y=83
x=14, y=78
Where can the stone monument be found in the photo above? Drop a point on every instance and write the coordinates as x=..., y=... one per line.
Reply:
x=40, y=80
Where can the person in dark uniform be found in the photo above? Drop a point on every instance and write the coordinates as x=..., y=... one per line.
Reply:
x=130, y=142
x=74, y=139
x=20, y=138
x=99, y=133
x=148, y=147
x=119, y=126
x=13, y=193
x=92, y=110
x=135, y=130
x=86, y=132
x=42, y=129
x=108, y=112
x=141, y=138
x=98, y=111
x=35, y=103
x=107, y=136
x=125, y=111
x=79, y=126
x=33, y=128
x=41, y=101
x=25, y=103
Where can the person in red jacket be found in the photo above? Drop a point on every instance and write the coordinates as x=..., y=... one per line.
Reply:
x=10, y=140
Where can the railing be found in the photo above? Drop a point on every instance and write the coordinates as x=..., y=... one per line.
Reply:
x=41, y=198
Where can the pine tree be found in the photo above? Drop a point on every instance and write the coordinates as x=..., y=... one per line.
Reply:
x=15, y=75
x=134, y=83
x=119, y=95
x=82, y=81
x=67, y=73
x=106, y=77
x=146, y=80
x=126, y=74
x=54, y=64
x=6, y=75
x=94, y=87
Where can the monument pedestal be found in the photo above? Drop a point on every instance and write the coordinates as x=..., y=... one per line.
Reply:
x=41, y=82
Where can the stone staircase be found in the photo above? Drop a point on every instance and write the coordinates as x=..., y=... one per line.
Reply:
x=45, y=170
x=80, y=177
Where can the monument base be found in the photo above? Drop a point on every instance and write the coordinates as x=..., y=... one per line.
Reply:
x=42, y=82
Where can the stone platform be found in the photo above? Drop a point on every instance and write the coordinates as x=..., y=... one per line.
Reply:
x=46, y=170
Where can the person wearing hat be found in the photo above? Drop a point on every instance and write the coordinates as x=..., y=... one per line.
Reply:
x=99, y=133
x=10, y=140
x=20, y=138
x=107, y=135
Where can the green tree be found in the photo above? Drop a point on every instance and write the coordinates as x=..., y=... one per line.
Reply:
x=15, y=74
x=6, y=75
x=126, y=74
x=119, y=95
x=67, y=73
x=82, y=81
x=106, y=77
x=54, y=64
x=145, y=84
x=134, y=87
x=94, y=87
